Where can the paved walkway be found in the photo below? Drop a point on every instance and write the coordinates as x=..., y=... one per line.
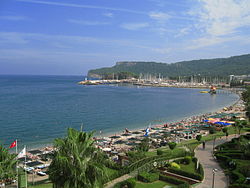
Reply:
x=209, y=163
x=117, y=180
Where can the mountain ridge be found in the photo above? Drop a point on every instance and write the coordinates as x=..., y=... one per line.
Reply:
x=236, y=65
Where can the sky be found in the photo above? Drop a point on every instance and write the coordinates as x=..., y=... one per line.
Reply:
x=69, y=37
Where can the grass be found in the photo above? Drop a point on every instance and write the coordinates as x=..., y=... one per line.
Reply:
x=192, y=144
x=110, y=172
x=166, y=150
x=156, y=184
x=188, y=167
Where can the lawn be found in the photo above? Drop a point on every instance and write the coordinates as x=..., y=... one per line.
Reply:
x=188, y=167
x=110, y=172
x=156, y=184
x=192, y=144
x=166, y=151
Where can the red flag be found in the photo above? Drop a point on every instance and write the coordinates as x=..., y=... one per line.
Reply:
x=13, y=144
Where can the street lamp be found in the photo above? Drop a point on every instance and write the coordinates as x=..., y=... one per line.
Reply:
x=214, y=170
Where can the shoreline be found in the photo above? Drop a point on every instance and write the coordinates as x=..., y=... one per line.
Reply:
x=185, y=119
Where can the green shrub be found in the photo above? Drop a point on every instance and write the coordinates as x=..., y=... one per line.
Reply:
x=184, y=173
x=237, y=177
x=194, y=159
x=200, y=170
x=175, y=165
x=171, y=180
x=148, y=177
x=130, y=183
x=178, y=161
x=198, y=137
x=228, y=151
x=172, y=145
x=234, y=155
x=184, y=185
x=159, y=152
x=212, y=130
x=239, y=186
x=187, y=159
x=222, y=157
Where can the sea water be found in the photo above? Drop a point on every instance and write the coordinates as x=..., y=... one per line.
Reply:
x=37, y=109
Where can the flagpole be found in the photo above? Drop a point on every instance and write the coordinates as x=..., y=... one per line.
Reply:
x=16, y=166
x=26, y=182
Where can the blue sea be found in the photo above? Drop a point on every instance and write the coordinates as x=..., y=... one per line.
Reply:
x=37, y=109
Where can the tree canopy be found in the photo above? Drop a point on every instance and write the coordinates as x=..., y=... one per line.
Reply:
x=7, y=165
x=76, y=163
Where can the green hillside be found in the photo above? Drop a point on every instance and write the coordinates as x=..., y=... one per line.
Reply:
x=236, y=65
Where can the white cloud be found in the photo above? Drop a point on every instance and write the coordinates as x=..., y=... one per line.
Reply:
x=87, y=23
x=223, y=17
x=12, y=38
x=162, y=50
x=109, y=14
x=62, y=42
x=14, y=18
x=182, y=32
x=209, y=41
x=159, y=16
x=134, y=26
x=81, y=6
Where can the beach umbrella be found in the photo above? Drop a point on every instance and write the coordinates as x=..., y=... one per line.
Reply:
x=106, y=149
x=115, y=136
x=134, y=139
x=126, y=134
x=136, y=132
x=120, y=142
x=131, y=144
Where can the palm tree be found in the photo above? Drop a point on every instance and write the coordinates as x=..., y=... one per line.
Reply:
x=75, y=163
x=239, y=125
x=7, y=165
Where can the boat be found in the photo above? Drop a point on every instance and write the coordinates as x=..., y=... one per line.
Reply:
x=212, y=90
x=203, y=91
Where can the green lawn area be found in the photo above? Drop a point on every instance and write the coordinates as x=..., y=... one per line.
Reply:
x=192, y=144
x=166, y=151
x=110, y=172
x=189, y=167
x=156, y=184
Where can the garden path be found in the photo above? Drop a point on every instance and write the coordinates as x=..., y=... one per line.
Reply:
x=206, y=158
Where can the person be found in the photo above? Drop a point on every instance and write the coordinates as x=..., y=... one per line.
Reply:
x=203, y=144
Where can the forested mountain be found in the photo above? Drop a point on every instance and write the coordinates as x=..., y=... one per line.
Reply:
x=236, y=65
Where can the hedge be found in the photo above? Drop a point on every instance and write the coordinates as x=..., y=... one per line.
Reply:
x=239, y=186
x=184, y=173
x=237, y=177
x=149, y=160
x=222, y=157
x=187, y=159
x=171, y=180
x=130, y=183
x=160, y=152
x=228, y=151
x=234, y=155
x=148, y=177
x=194, y=159
x=200, y=170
